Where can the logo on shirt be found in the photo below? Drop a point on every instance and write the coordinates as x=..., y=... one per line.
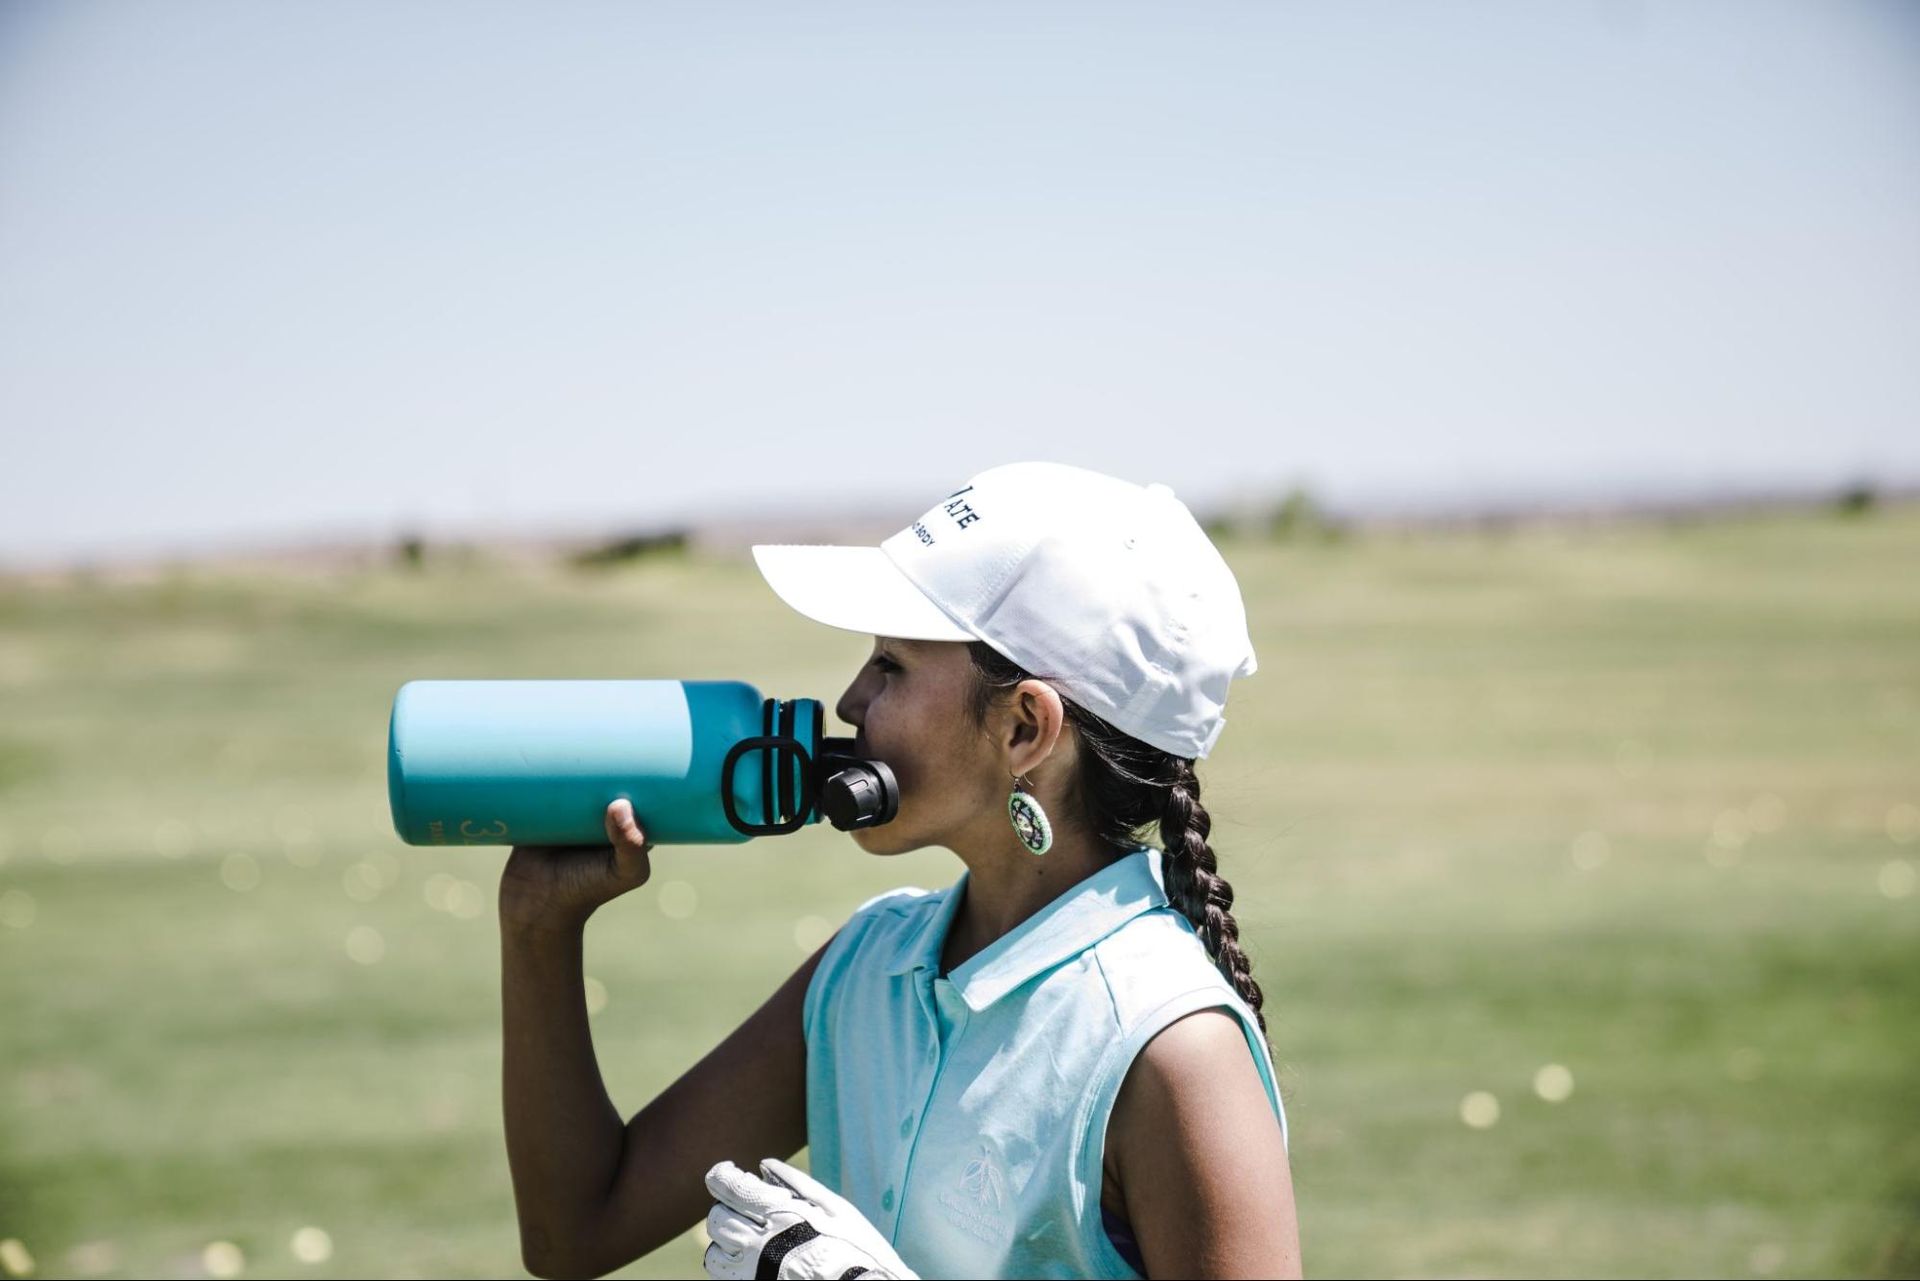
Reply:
x=975, y=1203
x=983, y=1182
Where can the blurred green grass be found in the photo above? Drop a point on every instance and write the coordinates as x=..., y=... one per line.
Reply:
x=1634, y=800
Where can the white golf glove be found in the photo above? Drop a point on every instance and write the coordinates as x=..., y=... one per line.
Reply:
x=789, y=1224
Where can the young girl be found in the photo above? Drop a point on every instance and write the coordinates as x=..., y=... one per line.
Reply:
x=1055, y=1067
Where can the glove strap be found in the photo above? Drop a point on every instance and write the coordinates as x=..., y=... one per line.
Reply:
x=779, y=1247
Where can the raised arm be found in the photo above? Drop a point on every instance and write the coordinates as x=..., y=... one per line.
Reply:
x=591, y=1193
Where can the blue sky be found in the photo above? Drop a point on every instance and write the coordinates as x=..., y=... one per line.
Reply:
x=268, y=270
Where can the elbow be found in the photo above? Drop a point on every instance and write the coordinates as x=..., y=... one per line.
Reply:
x=551, y=1269
x=540, y=1258
x=538, y=1263
x=567, y=1256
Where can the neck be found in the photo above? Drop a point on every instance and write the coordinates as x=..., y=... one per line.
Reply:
x=1007, y=883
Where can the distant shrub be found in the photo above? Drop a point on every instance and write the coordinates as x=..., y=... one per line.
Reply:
x=410, y=552
x=1857, y=499
x=1300, y=516
x=629, y=548
x=1297, y=516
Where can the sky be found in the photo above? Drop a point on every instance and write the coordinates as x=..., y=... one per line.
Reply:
x=271, y=271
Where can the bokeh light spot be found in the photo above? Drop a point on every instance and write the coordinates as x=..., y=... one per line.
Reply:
x=15, y=1258
x=436, y=889
x=1554, y=1083
x=223, y=1259
x=1480, y=1110
x=365, y=945
x=362, y=881
x=1897, y=878
x=312, y=1245
x=465, y=901
x=240, y=872
x=596, y=994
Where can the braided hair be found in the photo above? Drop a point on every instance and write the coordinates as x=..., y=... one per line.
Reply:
x=1123, y=786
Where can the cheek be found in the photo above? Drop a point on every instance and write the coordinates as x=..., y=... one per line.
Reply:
x=913, y=736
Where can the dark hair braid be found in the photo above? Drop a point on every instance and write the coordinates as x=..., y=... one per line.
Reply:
x=1124, y=786
x=1195, y=886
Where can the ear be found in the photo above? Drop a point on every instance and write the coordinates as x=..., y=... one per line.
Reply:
x=1035, y=719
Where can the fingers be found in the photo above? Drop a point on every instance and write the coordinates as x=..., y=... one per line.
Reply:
x=724, y=1266
x=623, y=828
x=749, y=1194
x=778, y=1171
x=731, y=1230
x=630, y=844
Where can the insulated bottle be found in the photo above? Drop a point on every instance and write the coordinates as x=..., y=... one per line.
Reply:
x=537, y=762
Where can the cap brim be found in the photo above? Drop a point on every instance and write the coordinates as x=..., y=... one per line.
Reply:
x=855, y=588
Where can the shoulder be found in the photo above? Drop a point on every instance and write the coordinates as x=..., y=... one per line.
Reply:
x=903, y=901
x=1154, y=959
x=1180, y=1021
x=876, y=929
x=891, y=914
x=1185, y=1062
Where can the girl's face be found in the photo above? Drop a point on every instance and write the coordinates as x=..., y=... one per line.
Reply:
x=908, y=709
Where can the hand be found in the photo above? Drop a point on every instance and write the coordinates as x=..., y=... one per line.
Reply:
x=789, y=1224
x=560, y=886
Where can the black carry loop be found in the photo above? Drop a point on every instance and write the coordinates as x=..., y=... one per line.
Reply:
x=850, y=792
x=777, y=802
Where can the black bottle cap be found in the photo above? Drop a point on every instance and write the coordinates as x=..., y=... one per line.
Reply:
x=857, y=793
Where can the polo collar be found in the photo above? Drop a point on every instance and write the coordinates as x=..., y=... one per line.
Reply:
x=1076, y=920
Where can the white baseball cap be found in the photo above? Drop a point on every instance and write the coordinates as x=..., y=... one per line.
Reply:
x=1108, y=589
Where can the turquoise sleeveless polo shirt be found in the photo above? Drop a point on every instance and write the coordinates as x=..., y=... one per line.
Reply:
x=966, y=1116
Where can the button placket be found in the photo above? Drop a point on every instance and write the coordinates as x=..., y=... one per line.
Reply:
x=939, y=1052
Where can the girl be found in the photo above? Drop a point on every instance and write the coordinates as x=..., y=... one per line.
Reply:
x=1055, y=1067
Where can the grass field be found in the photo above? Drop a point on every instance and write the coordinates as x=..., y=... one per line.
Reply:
x=1643, y=803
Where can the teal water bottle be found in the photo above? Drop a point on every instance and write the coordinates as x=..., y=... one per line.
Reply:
x=537, y=762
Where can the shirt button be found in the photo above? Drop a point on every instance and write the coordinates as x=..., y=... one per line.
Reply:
x=886, y=1200
x=906, y=1126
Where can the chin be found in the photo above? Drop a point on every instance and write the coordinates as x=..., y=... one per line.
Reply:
x=882, y=840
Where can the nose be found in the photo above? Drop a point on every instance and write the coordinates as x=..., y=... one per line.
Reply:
x=852, y=707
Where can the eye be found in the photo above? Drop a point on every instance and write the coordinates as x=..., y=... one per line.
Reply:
x=884, y=663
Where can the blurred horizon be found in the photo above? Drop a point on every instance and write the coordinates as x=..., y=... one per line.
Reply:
x=372, y=269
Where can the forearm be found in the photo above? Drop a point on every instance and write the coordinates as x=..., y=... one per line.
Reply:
x=564, y=1135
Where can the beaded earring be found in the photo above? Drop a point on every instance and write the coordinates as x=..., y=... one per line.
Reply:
x=1029, y=820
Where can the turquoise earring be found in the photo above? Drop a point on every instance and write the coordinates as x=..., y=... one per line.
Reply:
x=1029, y=820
